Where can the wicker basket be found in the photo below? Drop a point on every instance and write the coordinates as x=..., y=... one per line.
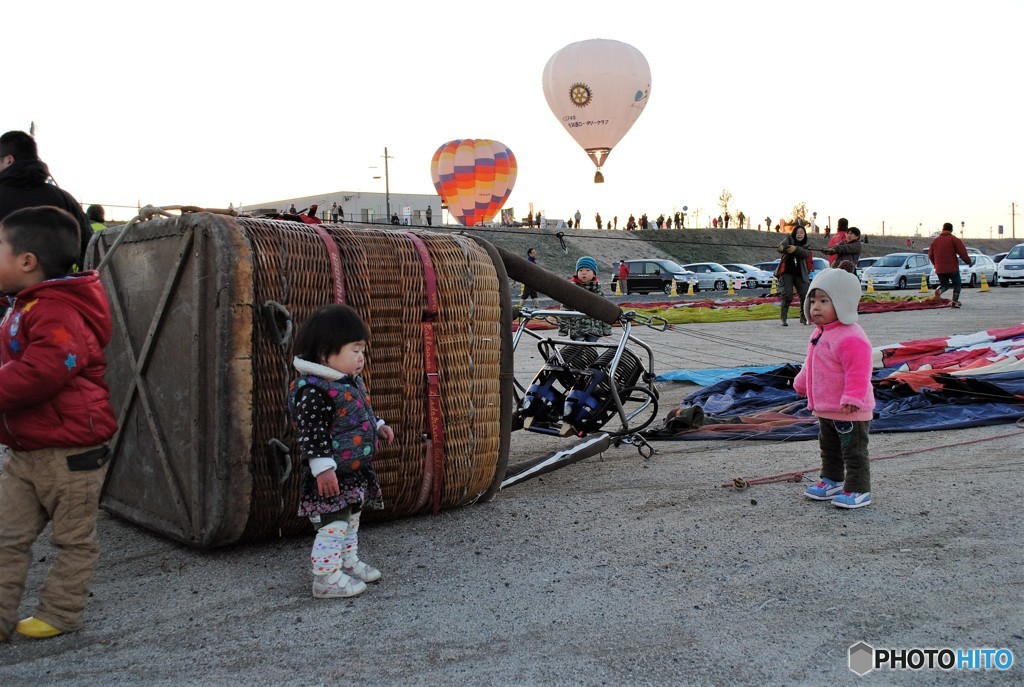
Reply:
x=204, y=307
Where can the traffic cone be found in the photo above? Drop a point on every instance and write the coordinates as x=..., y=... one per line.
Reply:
x=689, y=291
x=618, y=288
x=871, y=285
x=775, y=287
x=731, y=291
x=984, y=282
x=924, y=284
x=675, y=289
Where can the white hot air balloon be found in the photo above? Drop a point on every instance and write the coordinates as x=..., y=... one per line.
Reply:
x=597, y=89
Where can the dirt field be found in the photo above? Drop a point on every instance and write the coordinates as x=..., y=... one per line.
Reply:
x=614, y=571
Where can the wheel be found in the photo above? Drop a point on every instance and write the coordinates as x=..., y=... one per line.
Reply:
x=720, y=285
x=974, y=281
x=902, y=283
x=751, y=283
x=667, y=289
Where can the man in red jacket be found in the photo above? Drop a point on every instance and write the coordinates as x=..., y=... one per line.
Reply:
x=623, y=276
x=55, y=416
x=943, y=254
x=839, y=237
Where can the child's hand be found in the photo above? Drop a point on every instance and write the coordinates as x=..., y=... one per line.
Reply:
x=790, y=249
x=327, y=483
x=386, y=433
x=848, y=408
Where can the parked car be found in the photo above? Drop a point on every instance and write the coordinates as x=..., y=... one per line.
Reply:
x=1011, y=269
x=971, y=274
x=654, y=275
x=862, y=265
x=753, y=277
x=897, y=270
x=965, y=274
x=711, y=275
x=983, y=265
x=768, y=266
x=998, y=258
x=974, y=251
x=819, y=265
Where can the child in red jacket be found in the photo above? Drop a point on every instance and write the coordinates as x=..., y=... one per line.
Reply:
x=56, y=416
x=836, y=379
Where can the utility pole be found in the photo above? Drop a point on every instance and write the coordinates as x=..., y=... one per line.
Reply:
x=1013, y=220
x=387, y=185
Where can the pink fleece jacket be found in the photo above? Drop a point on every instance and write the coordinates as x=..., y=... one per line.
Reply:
x=837, y=371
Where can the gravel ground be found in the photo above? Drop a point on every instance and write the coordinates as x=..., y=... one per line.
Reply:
x=618, y=570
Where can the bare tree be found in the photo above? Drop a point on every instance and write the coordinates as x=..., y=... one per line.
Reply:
x=800, y=210
x=724, y=200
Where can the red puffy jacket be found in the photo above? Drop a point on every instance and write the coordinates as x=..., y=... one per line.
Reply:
x=52, y=391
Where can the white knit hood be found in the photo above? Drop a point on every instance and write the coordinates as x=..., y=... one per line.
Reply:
x=844, y=290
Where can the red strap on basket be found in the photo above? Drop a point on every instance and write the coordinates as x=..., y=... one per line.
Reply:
x=435, y=416
x=335, y=257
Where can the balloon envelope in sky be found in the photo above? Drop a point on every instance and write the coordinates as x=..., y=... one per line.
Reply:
x=474, y=178
x=597, y=88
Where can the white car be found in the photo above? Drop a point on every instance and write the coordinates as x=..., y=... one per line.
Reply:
x=752, y=276
x=711, y=275
x=983, y=265
x=971, y=275
x=862, y=265
x=965, y=274
x=1011, y=268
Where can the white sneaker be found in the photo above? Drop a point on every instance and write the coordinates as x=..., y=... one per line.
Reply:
x=360, y=570
x=336, y=585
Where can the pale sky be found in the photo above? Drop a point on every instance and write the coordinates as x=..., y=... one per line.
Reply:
x=902, y=111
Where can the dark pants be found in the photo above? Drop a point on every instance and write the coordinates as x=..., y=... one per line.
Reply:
x=951, y=279
x=844, y=453
x=790, y=283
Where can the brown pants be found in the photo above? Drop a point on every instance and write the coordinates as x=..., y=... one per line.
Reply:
x=35, y=488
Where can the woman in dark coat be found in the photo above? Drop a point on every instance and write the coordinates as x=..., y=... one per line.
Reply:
x=794, y=270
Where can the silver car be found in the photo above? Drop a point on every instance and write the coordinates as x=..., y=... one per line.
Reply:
x=711, y=275
x=752, y=277
x=897, y=271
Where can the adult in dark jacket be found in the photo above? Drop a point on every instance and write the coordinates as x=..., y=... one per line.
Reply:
x=23, y=184
x=943, y=254
x=846, y=250
x=794, y=270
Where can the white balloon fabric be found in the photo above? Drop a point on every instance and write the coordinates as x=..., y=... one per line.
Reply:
x=597, y=89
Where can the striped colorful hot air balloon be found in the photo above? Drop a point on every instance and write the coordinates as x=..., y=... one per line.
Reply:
x=474, y=177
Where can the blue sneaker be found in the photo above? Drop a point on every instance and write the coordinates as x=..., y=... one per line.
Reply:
x=852, y=499
x=823, y=490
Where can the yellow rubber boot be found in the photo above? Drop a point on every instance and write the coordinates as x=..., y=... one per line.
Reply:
x=37, y=629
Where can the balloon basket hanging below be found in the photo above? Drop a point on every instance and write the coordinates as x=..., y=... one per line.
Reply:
x=598, y=177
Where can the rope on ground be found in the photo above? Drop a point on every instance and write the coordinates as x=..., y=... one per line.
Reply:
x=741, y=483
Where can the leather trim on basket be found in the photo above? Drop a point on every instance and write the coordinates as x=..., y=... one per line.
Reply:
x=335, y=257
x=435, y=415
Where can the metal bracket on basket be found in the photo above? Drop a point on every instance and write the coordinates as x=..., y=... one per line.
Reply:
x=283, y=464
x=271, y=309
x=644, y=448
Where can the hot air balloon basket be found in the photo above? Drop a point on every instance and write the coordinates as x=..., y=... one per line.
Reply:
x=206, y=308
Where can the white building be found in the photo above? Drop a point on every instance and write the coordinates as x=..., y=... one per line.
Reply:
x=362, y=206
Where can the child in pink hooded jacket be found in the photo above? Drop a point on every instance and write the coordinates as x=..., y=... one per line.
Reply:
x=836, y=379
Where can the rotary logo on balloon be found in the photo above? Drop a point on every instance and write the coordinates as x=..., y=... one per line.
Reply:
x=611, y=80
